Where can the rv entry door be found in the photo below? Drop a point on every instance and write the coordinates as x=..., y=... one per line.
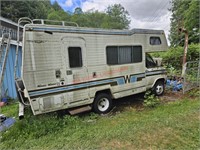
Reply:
x=74, y=53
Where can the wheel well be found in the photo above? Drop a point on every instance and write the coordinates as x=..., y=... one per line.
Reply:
x=161, y=79
x=107, y=91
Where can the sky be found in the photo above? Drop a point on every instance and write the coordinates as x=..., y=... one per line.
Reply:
x=148, y=14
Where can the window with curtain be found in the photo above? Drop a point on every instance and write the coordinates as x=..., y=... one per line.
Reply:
x=123, y=54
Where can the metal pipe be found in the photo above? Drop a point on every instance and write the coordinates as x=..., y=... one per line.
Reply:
x=21, y=111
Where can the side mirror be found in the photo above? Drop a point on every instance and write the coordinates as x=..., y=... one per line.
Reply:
x=156, y=63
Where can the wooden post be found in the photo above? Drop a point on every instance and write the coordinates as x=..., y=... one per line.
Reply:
x=185, y=49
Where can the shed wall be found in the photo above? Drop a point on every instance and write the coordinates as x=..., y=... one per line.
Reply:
x=8, y=87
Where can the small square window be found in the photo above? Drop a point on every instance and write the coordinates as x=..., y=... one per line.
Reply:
x=155, y=41
x=75, y=57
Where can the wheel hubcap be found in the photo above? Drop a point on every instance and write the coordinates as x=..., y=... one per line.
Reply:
x=159, y=89
x=103, y=104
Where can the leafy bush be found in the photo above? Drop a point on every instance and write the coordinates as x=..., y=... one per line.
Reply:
x=174, y=56
x=171, y=71
x=194, y=92
x=150, y=100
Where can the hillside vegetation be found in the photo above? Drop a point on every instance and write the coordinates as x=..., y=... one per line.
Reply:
x=114, y=17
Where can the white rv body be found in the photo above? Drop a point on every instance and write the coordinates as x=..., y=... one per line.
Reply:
x=67, y=67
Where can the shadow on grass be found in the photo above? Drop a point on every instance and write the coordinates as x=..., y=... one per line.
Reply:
x=119, y=105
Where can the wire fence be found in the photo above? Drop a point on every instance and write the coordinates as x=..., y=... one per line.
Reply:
x=191, y=75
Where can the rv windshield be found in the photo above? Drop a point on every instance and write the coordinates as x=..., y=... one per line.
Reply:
x=149, y=61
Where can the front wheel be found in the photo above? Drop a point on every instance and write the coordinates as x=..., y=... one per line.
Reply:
x=158, y=88
x=102, y=103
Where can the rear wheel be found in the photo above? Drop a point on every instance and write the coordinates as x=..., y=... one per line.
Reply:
x=102, y=103
x=158, y=88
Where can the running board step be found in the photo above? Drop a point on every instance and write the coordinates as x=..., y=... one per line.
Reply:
x=80, y=110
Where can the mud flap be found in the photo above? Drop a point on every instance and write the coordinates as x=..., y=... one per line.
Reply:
x=19, y=89
x=19, y=84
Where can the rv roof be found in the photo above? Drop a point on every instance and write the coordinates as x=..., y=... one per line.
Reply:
x=70, y=29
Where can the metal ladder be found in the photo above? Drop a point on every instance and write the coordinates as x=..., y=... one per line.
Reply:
x=20, y=21
x=4, y=49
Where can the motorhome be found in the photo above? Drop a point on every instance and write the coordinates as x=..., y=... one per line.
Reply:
x=78, y=69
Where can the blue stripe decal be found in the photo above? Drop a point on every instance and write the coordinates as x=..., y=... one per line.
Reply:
x=133, y=79
x=66, y=88
x=120, y=81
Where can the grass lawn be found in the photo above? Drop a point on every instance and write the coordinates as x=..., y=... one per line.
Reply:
x=172, y=125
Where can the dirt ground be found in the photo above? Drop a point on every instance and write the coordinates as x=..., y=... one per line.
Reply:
x=136, y=101
x=172, y=96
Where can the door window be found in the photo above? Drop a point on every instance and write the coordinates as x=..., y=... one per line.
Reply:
x=149, y=61
x=75, y=57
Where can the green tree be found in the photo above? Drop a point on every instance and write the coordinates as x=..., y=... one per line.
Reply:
x=115, y=17
x=192, y=20
x=97, y=19
x=14, y=10
x=118, y=17
x=56, y=6
x=59, y=15
x=78, y=10
x=54, y=15
x=184, y=14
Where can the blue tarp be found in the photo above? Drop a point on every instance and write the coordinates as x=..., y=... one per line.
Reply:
x=175, y=85
x=7, y=123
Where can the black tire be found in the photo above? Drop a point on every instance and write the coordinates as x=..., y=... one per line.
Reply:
x=159, y=88
x=102, y=103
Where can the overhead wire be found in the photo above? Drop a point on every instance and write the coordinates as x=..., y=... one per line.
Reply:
x=152, y=14
x=157, y=15
x=165, y=27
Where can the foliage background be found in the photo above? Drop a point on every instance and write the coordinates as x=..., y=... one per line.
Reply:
x=114, y=17
x=174, y=56
x=185, y=13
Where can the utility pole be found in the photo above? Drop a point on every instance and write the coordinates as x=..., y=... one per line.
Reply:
x=185, y=49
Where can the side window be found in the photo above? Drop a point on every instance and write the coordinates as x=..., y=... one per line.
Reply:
x=137, y=54
x=123, y=54
x=112, y=55
x=75, y=57
x=155, y=41
x=149, y=61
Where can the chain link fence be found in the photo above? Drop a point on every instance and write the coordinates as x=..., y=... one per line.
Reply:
x=191, y=78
